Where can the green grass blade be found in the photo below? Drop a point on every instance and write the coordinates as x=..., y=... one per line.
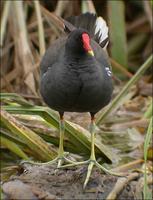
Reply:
x=117, y=31
x=147, y=194
x=8, y=135
x=79, y=137
x=149, y=111
x=33, y=141
x=125, y=89
x=13, y=97
x=13, y=147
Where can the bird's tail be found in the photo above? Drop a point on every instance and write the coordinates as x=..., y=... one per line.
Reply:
x=96, y=26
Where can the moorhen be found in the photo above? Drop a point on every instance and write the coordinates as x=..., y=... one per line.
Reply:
x=76, y=76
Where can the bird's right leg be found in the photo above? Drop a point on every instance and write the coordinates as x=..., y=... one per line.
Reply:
x=61, y=154
x=61, y=157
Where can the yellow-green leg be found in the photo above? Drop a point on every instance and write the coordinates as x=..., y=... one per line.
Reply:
x=61, y=154
x=92, y=160
x=61, y=157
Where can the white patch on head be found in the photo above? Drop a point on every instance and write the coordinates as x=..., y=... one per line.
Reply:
x=109, y=73
x=102, y=28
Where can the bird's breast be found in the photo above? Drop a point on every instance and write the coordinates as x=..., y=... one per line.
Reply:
x=76, y=87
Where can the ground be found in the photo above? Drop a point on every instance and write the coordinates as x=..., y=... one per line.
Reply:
x=46, y=182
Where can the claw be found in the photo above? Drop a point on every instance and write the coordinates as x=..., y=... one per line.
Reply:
x=60, y=162
x=90, y=166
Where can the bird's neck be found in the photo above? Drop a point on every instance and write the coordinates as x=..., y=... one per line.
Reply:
x=77, y=56
x=79, y=61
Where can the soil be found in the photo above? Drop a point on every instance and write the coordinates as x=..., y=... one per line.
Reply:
x=47, y=182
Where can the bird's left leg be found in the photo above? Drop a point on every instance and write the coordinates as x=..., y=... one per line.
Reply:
x=92, y=160
x=61, y=157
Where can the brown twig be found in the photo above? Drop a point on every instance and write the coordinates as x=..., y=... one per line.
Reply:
x=56, y=21
x=120, y=184
x=121, y=68
x=140, y=185
x=128, y=166
x=136, y=24
x=6, y=79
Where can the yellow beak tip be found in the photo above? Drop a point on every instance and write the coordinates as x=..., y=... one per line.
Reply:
x=91, y=53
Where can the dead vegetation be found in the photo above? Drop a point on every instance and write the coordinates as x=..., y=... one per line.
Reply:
x=124, y=127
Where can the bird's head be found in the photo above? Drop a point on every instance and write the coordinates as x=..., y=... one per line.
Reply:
x=78, y=42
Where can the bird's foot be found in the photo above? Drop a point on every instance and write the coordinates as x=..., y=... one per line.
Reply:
x=91, y=163
x=60, y=159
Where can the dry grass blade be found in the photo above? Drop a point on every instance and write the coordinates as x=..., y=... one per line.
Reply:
x=7, y=79
x=88, y=6
x=61, y=7
x=121, y=68
x=148, y=10
x=120, y=184
x=56, y=21
x=4, y=20
x=24, y=52
x=40, y=28
x=33, y=141
x=129, y=166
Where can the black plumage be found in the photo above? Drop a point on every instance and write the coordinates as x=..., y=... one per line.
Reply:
x=76, y=76
x=72, y=80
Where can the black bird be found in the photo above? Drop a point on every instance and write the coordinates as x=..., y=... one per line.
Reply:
x=76, y=75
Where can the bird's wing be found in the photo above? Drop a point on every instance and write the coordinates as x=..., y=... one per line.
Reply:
x=96, y=26
x=52, y=54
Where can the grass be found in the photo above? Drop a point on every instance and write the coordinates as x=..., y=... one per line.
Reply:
x=118, y=31
x=146, y=192
x=78, y=137
x=125, y=89
x=27, y=29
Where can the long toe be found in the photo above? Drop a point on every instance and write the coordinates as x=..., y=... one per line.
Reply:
x=73, y=164
x=59, y=160
x=30, y=162
x=109, y=171
x=40, y=163
x=90, y=166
